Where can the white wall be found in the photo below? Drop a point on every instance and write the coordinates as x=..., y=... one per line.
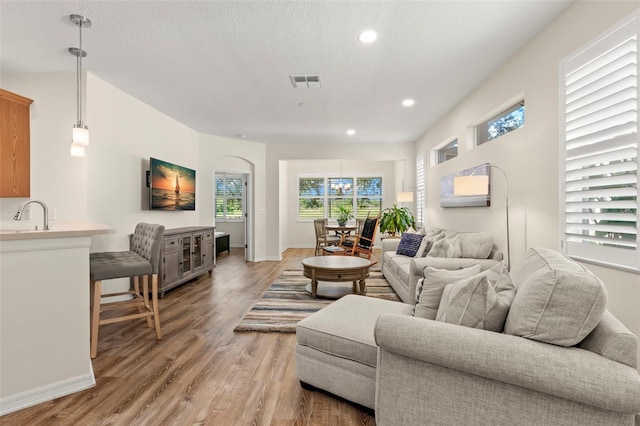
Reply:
x=125, y=133
x=529, y=155
x=56, y=178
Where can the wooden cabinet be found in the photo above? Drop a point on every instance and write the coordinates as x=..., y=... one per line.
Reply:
x=14, y=145
x=186, y=253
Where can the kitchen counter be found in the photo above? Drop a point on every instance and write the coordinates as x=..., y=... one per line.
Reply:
x=44, y=301
x=58, y=230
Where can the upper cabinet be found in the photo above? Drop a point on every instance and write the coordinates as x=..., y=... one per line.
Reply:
x=14, y=145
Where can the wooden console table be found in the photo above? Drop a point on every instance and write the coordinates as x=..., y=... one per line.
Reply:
x=186, y=253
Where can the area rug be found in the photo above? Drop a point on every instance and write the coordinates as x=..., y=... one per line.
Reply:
x=286, y=302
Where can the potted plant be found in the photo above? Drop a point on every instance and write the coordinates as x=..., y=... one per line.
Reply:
x=396, y=220
x=344, y=214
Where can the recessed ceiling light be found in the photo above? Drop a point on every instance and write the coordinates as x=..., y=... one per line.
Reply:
x=241, y=136
x=302, y=105
x=351, y=132
x=368, y=36
x=408, y=102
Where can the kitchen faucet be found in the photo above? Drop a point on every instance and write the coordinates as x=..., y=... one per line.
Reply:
x=18, y=215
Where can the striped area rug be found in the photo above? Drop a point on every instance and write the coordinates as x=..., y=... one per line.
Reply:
x=286, y=302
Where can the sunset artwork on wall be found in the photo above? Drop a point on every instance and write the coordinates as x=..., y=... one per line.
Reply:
x=172, y=187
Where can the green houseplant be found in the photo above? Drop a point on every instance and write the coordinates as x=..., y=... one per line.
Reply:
x=396, y=220
x=344, y=214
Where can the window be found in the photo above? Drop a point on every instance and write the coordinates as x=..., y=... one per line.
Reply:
x=503, y=123
x=229, y=197
x=447, y=152
x=311, y=197
x=320, y=197
x=369, y=196
x=600, y=135
x=420, y=202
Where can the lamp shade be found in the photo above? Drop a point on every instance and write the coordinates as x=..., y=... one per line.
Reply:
x=405, y=197
x=471, y=185
x=80, y=135
x=77, y=150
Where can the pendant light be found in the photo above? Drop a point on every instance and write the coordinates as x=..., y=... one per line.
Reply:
x=80, y=137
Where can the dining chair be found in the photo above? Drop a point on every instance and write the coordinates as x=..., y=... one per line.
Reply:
x=142, y=260
x=323, y=239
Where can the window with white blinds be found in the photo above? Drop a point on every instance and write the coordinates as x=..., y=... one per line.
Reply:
x=599, y=170
x=229, y=197
x=420, y=204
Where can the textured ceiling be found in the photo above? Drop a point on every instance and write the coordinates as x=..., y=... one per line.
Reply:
x=222, y=67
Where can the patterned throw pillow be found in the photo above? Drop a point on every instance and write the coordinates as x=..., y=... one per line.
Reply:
x=429, y=289
x=427, y=243
x=409, y=244
x=481, y=301
x=447, y=247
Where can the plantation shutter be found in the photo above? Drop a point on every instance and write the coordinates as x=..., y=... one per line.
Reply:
x=600, y=173
x=420, y=190
x=229, y=197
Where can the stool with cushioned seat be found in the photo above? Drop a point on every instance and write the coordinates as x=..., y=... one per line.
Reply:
x=141, y=261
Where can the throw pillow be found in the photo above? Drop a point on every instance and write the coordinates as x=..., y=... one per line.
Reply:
x=447, y=247
x=409, y=244
x=427, y=243
x=481, y=301
x=559, y=301
x=429, y=289
x=475, y=245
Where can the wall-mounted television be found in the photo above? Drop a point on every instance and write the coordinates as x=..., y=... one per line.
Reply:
x=172, y=187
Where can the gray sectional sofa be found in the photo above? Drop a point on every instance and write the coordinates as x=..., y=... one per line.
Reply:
x=403, y=272
x=561, y=358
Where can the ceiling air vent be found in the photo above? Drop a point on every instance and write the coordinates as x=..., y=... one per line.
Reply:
x=305, y=81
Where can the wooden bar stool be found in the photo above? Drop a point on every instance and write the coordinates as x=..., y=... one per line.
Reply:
x=141, y=261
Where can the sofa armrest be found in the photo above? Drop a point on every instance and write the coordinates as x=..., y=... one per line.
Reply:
x=390, y=244
x=571, y=373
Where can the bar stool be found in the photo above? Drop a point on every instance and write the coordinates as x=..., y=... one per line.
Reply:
x=141, y=261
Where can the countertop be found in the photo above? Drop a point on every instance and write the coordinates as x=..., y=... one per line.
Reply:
x=57, y=230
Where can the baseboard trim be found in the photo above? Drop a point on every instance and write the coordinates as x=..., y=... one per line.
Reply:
x=46, y=393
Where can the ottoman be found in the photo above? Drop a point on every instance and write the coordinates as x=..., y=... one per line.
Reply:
x=336, y=350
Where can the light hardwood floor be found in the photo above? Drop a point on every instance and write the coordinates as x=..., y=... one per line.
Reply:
x=201, y=372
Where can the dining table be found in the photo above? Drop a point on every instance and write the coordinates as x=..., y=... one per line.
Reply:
x=341, y=231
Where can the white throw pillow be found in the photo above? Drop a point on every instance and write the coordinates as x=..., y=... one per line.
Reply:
x=447, y=247
x=429, y=292
x=481, y=301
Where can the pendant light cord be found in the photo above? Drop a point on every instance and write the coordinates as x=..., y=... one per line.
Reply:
x=79, y=74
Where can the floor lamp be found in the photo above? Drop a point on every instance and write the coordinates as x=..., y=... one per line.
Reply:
x=479, y=185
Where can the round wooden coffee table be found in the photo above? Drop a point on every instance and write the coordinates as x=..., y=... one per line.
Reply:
x=336, y=269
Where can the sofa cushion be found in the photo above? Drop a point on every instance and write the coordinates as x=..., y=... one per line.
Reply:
x=345, y=328
x=409, y=243
x=429, y=289
x=446, y=247
x=481, y=301
x=475, y=245
x=558, y=300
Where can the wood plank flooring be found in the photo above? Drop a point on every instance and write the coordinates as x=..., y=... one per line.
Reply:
x=201, y=372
